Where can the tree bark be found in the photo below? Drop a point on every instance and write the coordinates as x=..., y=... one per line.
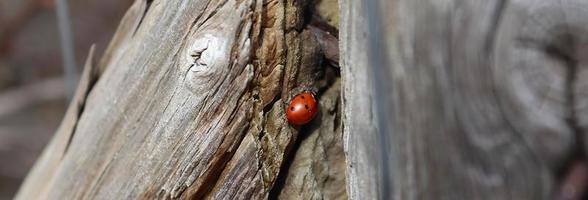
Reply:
x=188, y=103
x=462, y=99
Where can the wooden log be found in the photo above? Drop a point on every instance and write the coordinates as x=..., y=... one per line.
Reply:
x=462, y=99
x=188, y=103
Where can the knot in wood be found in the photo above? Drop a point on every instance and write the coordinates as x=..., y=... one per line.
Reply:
x=206, y=58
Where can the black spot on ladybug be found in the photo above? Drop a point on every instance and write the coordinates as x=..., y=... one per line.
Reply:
x=292, y=108
x=306, y=106
x=302, y=97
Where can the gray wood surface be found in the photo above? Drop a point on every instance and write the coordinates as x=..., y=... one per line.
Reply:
x=188, y=103
x=462, y=99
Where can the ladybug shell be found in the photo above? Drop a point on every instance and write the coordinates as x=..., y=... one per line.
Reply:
x=302, y=109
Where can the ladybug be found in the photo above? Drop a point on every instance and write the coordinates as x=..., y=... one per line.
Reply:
x=302, y=108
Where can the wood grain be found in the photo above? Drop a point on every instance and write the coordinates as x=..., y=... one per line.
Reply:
x=463, y=99
x=317, y=168
x=40, y=178
x=188, y=105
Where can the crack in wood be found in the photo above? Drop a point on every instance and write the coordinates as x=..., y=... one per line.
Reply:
x=87, y=82
x=144, y=134
x=147, y=6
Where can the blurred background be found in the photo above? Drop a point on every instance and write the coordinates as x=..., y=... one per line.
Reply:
x=32, y=88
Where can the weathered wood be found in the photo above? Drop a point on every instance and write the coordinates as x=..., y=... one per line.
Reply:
x=317, y=168
x=358, y=117
x=40, y=177
x=476, y=99
x=188, y=104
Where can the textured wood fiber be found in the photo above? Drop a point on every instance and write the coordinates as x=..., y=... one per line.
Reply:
x=478, y=99
x=187, y=102
x=317, y=168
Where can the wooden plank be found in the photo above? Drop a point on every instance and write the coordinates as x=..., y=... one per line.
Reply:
x=358, y=117
x=476, y=99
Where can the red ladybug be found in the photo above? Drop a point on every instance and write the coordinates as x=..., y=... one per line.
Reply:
x=302, y=108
